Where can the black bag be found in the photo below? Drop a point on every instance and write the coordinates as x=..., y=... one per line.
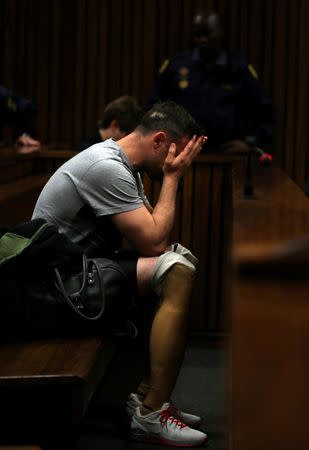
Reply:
x=92, y=301
x=88, y=292
x=58, y=296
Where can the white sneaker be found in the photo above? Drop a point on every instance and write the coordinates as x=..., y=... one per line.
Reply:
x=160, y=427
x=189, y=419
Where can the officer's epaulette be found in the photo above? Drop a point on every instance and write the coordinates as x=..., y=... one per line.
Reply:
x=253, y=71
x=11, y=104
x=164, y=66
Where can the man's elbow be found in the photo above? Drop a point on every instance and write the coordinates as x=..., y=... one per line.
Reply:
x=152, y=248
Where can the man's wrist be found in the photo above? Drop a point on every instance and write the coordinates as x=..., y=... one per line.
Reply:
x=172, y=176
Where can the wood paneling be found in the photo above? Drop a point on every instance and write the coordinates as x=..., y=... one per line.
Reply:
x=73, y=57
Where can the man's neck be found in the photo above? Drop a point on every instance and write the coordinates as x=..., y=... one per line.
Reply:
x=133, y=146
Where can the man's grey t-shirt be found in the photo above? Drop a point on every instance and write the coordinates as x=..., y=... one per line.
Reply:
x=85, y=191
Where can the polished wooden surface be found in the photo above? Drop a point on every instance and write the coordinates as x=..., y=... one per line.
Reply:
x=20, y=447
x=270, y=316
x=279, y=212
x=49, y=361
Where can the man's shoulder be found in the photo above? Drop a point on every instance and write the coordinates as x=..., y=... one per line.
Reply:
x=104, y=158
x=102, y=151
x=93, y=159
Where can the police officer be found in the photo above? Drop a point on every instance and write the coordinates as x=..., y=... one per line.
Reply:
x=18, y=113
x=219, y=89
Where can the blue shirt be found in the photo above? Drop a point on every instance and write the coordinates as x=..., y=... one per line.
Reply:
x=17, y=112
x=227, y=100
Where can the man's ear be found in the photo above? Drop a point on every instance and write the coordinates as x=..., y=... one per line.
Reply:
x=114, y=125
x=158, y=138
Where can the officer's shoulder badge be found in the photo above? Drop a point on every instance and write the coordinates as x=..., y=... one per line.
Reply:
x=252, y=71
x=183, y=84
x=12, y=105
x=164, y=66
x=183, y=71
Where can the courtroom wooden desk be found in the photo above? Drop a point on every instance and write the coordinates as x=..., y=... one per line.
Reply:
x=270, y=317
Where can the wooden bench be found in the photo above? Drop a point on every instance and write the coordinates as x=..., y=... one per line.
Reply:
x=45, y=385
x=20, y=447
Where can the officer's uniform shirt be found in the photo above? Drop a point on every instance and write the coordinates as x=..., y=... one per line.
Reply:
x=16, y=112
x=228, y=101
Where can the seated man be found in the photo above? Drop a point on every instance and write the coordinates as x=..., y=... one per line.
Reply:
x=120, y=117
x=96, y=199
x=18, y=113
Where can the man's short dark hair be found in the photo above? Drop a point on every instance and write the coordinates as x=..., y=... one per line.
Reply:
x=170, y=117
x=125, y=110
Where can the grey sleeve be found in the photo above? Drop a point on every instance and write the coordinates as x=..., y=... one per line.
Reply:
x=109, y=187
x=141, y=189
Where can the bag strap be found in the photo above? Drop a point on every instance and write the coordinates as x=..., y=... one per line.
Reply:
x=72, y=299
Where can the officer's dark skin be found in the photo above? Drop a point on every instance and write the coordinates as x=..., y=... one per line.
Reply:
x=208, y=38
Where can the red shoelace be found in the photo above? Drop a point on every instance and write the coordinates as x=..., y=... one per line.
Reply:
x=165, y=415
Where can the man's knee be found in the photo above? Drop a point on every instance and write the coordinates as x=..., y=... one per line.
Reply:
x=181, y=250
x=165, y=263
x=151, y=271
x=145, y=270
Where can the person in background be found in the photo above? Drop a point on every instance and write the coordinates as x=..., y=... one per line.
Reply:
x=97, y=199
x=18, y=113
x=219, y=88
x=120, y=117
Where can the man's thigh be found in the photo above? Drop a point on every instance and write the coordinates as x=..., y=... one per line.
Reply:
x=139, y=270
x=145, y=271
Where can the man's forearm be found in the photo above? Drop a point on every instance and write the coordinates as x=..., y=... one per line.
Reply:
x=148, y=229
x=164, y=212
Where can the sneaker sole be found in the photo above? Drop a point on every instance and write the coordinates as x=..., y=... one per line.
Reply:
x=194, y=426
x=165, y=442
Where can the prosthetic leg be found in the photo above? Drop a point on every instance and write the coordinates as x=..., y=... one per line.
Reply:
x=172, y=281
x=156, y=419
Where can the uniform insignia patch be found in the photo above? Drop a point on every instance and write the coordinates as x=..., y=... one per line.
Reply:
x=183, y=71
x=252, y=71
x=12, y=104
x=227, y=87
x=183, y=84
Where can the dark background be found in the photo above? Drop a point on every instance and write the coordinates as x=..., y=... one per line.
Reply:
x=73, y=56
